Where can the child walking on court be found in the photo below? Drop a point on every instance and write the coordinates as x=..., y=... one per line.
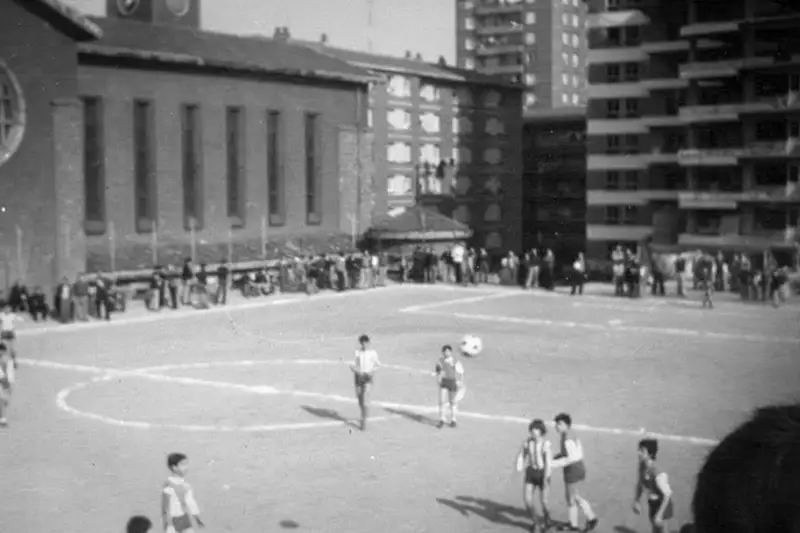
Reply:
x=655, y=483
x=450, y=376
x=536, y=459
x=570, y=459
x=6, y=383
x=365, y=364
x=8, y=335
x=179, y=509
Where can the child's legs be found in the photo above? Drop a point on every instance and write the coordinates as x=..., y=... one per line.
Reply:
x=443, y=400
x=451, y=399
x=527, y=496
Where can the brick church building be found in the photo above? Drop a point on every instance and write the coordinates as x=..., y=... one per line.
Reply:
x=112, y=129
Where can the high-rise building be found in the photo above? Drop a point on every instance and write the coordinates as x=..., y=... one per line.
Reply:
x=540, y=43
x=693, y=123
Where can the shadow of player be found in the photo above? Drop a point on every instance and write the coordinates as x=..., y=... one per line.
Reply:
x=289, y=524
x=414, y=417
x=624, y=529
x=491, y=511
x=329, y=414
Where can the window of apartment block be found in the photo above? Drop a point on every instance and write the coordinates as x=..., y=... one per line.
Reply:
x=565, y=58
x=612, y=108
x=565, y=79
x=565, y=19
x=613, y=214
x=530, y=18
x=576, y=41
x=575, y=81
x=565, y=39
x=94, y=185
x=313, y=192
x=564, y=98
x=632, y=36
x=575, y=60
x=612, y=144
x=631, y=180
x=576, y=99
x=631, y=108
x=631, y=72
x=631, y=143
x=530, y=79
x=192, y=167
x=630, y=215
x=614, y=36
x=235, y=154
x=612, y=73
x=144, y=166
x=469, y=23
x=275, y=185
x=612, y=180
x=469, y=44
x=576, y=22
x=530, y=38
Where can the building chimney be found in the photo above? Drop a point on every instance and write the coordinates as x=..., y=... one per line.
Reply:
x=442, y=61
x=323, y=38
x=281, y=34
x=408, y=54
x=418, y=57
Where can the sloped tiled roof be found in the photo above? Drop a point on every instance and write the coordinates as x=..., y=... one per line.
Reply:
x=65, y=18
x=417, y=222
x=167, y=44
x=402, y=65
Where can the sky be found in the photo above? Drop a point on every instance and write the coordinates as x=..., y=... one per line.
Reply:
x=420, y=26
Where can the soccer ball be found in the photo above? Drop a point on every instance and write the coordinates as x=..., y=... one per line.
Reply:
x=471, y=345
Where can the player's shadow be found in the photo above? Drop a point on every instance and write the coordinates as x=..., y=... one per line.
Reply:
x=624, y=529
x=289, y=524
x=491, y=511
x=328, y=414
x=411, y=415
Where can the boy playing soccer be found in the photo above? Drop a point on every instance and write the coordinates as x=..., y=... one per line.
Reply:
x=179, y=509
x=450, y=376
x=364, y=366
x=536, y=459
x=7, y=334
x=570, y=459
x=6, y=383
x=655, y=482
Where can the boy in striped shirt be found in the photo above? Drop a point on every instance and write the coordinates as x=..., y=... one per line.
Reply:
x=179, y=509
x=364, y=366
x=6, y=382
x=536, y=458
x=450, y=376
x=570, y=459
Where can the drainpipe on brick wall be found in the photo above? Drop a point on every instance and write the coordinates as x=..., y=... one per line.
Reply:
x=358, y=160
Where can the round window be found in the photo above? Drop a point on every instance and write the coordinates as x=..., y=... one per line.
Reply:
x=179, y=7
x=12, y=114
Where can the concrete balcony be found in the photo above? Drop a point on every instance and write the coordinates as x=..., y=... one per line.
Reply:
x=759, y=240
x=709, y=113
x=662, y=158
x=616, y=19
x=616, y=162
x=664, y=84
x=621, y=126
x=678, y=46
x=630, y=54
x=604, y=91
x=721, y=201
x=613, y=232
x=711, y=28
x=502, y=69
x=499, y=49
x=663, y=121
x=789, y=149
x=496, y=8
x=603, y=197
x=505, y=29
x=718, y=200
x=723, y=69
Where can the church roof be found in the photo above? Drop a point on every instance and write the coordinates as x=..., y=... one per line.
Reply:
x=63, y=17
x=133, y=40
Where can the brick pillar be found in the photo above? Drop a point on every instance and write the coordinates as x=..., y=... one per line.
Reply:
x=70, y=240
x=355, y=157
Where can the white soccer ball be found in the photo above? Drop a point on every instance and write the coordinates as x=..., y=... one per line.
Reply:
x=471, y=345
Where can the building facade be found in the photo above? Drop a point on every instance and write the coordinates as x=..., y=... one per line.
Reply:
x=554, y=186
x=540, y=43
x=449, y=138
x=142, y=131
x=694, y=118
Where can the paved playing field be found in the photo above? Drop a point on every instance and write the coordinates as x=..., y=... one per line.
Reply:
x=258, y=400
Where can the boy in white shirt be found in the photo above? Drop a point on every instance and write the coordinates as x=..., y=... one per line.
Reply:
x=365, y=364
x=8, y=335
x=570, y=458
x=450, y=377
x=179, y=509
x=6, y=383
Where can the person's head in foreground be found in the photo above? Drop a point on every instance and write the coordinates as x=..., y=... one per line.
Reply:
x=139, y=524
x=648, y=451
x=363, y=340
x=178, y=464
x=750, y=483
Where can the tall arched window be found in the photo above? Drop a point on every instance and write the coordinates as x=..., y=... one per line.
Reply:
x=12, y=114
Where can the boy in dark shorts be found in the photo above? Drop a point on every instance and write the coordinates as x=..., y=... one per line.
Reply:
x=656, y=483
x=450, y=376
x=570, y=458
x=365, y=364
x=536, y=459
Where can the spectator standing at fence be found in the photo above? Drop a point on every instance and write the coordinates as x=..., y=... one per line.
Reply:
x=37, y=305
x=173, y=284
x=63, y=301
x=18, y=296
x=457, y=254
x=680, y=270
x=578, y=275
x=201, y=286
x=81, y=298
x=187, y=282
x=223, y=276
x=102, y=298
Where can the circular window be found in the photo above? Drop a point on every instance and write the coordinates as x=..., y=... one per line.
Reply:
x=127, y=7
x=12, y=114
x=179, y=7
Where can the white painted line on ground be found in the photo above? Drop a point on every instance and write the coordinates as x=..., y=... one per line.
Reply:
x=473, y=299
x=108, y=375
x=671, y=308
x=634, y=329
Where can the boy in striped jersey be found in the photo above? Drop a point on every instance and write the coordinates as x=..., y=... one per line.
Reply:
x=536, y=458
x=570, y=459
x=364, y=366
x=450, y=376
